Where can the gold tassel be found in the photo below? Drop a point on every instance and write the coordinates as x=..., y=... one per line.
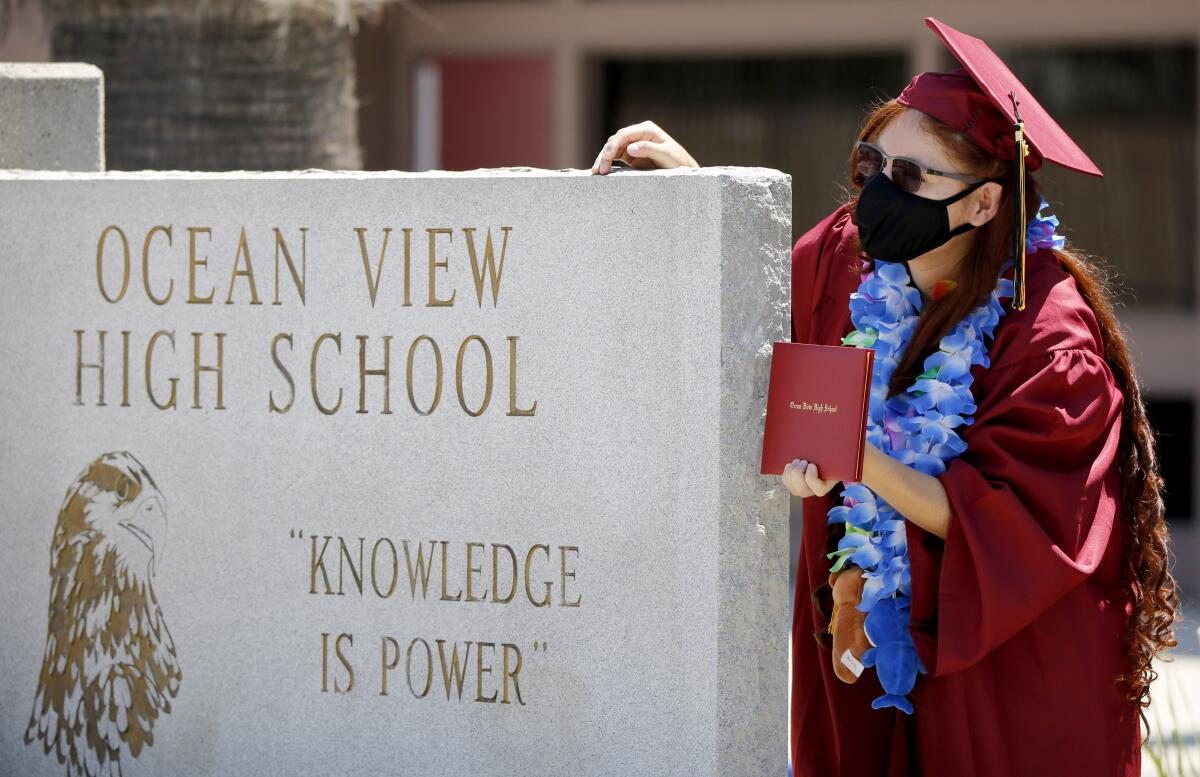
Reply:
x=1022, y=150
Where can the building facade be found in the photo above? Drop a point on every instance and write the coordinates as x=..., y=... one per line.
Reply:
x=460, y=84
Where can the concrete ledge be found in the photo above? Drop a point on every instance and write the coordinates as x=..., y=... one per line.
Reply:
x=51, y=116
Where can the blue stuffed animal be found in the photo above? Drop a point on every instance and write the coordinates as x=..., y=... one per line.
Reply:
x=894, y=657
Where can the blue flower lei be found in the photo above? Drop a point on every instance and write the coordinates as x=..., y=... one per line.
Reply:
x=917, y=428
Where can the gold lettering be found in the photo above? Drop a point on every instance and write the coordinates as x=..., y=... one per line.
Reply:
x=337, y=339
x=100, y=264
x=125, y=368
x=170, y=403
x=471, y=570
x=337, y=647
x=815, y=407
x=489, y=262
x=318, y=564
x=355, y=572
x=299, y=280
x=372, y=281
x=193, y=263
x=324, y=661
x=248, y=273
x=487, y=392
x=562, y=591
x=395, y=568
x=146, y=265
x=512, y=591
x=445, y=596
x=422, y=571
x=433, y=232
x=197, y=368
x=81, y=365
x=385, y=372
x=455, y=672
x=513, y=674
x=428, y=668
x=528, y=564
x=407, y=264
x=385, y=667
x=408, y=379
x=480, y=670
x=512, y=382
x=271, y=406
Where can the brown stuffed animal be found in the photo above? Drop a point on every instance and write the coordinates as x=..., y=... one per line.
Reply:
x=846, y=623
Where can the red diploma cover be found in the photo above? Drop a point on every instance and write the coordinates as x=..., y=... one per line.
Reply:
x=817, y=408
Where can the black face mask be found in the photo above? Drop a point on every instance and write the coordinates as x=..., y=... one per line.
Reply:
x=895, y=225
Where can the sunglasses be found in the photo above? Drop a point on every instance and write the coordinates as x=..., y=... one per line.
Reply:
x=907, y=174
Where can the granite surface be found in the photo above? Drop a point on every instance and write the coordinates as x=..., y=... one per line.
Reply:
x=51, y=116
x=292, y=525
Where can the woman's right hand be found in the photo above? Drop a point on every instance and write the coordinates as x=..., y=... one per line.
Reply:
x=642, y=146
x=801, y=478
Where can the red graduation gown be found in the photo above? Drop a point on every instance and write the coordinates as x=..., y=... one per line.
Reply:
x=1018, y=614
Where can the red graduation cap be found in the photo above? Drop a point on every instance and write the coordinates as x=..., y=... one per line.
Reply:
x=986, y=102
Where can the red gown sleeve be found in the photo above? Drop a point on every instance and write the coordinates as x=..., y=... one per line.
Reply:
x=812, y=255
x=1031, y=512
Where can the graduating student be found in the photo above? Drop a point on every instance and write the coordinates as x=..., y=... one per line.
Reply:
x=987, y=601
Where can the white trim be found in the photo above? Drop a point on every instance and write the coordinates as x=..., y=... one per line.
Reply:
x=427, y=115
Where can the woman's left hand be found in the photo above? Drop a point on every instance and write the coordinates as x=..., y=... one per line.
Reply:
x=800, y=477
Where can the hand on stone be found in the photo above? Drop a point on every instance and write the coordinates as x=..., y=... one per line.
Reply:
x=642, y=146
x=800, y=477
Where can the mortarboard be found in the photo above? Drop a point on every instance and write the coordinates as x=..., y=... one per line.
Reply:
x=986, y=102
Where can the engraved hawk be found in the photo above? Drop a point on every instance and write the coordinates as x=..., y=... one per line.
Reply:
x=109, y=667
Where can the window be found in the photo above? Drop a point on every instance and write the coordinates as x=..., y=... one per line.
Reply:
x=1173, y=419
x=1133, y=110
x=797, y=114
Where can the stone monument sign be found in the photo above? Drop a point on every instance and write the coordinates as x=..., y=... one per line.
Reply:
x=391, y=473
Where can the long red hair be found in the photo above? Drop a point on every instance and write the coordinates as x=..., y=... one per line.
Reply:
x=1150, y=629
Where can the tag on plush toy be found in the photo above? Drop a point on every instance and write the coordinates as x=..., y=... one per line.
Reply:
x=852, y=663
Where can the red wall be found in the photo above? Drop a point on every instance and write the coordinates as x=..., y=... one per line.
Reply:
x=495, y=112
